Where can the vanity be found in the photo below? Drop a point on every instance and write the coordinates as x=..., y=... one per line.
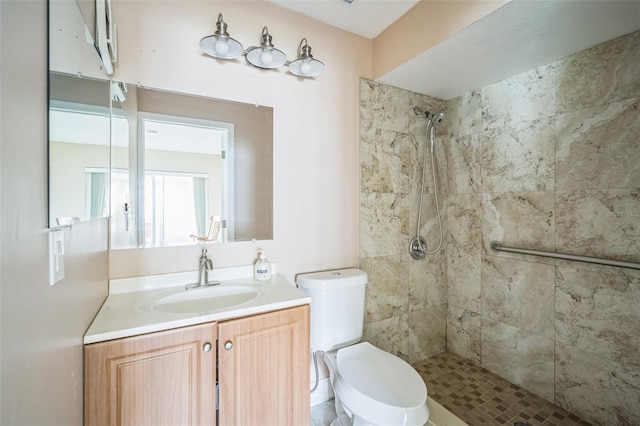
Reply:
x=170, y=168
x=236, y=353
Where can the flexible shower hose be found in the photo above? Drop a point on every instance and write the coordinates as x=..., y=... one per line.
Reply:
x=430, y=132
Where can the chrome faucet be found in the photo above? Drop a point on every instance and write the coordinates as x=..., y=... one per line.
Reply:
x=205, y=265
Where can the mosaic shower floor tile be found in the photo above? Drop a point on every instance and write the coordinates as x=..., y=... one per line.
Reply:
x=479, y=397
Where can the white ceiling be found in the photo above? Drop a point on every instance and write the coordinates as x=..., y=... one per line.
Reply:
x=367, y=18
x=519, y=36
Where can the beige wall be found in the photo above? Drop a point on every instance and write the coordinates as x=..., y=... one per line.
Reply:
x=42, y=326
x=315, y=153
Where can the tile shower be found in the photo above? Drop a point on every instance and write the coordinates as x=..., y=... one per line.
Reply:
x=548, y=159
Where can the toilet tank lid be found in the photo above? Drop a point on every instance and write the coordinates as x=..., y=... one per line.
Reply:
x=339, y=278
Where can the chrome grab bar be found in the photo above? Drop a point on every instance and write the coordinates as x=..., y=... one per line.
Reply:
x=589, y=259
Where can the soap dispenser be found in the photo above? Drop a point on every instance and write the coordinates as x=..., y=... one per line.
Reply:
x=262, y=270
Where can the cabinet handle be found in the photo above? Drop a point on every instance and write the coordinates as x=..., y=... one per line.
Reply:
x=207, y=347
x=228, y=345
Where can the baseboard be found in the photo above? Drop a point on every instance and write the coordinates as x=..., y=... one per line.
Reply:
x=322, y=393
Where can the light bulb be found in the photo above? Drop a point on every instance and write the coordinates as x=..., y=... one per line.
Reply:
x=305, y=67
x=266, y=57
x=222, y=47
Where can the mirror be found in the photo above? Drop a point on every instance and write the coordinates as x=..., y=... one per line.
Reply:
x=79, y=139
x=188, y=169
x=104, y=160
x=79, y=120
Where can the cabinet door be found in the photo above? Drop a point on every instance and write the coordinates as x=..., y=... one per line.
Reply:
x=263, y=369
x=164, y=378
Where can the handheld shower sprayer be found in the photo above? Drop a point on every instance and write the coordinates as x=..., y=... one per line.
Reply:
x=436, y=119
x=418, y=246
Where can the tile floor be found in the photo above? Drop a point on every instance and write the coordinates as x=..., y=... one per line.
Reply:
x=479, y=397
x=323, y=414
x=476, y=396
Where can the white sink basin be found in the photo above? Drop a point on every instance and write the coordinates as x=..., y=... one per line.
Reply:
x=205, y=299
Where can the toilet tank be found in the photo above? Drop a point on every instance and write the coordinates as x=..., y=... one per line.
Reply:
x=337, y=307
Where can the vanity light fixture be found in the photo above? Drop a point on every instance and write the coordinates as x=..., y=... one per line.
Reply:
x=220, y=44
x=305, y=65
x=266, y=56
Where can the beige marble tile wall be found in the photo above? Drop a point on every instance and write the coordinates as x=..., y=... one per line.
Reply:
x=550, y=159
x=406, y=300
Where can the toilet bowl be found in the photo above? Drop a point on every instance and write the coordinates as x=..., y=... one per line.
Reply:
x=371, y=386
x=376, y=388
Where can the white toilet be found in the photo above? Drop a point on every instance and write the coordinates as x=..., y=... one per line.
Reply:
x=371, y=386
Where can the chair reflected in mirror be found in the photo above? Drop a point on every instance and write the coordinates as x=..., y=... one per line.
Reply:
x=215, y=223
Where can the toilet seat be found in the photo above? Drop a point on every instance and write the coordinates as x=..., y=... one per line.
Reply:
x=378, y=387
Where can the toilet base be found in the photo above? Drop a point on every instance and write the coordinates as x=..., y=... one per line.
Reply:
x=346, y=418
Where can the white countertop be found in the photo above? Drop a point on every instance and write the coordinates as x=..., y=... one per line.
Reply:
x=125, y=312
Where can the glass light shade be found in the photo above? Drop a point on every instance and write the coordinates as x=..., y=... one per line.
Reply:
x=266, y=57
x=305, y=65
x=220, y=45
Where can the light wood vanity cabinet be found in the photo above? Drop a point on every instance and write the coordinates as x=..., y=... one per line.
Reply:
x=169, y=377
x=264, y=377
x=163, y=378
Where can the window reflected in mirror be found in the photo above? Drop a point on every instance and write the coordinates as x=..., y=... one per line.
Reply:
x=185, y=177
x=188, y=169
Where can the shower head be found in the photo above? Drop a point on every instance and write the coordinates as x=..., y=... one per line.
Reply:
x=436, y=119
